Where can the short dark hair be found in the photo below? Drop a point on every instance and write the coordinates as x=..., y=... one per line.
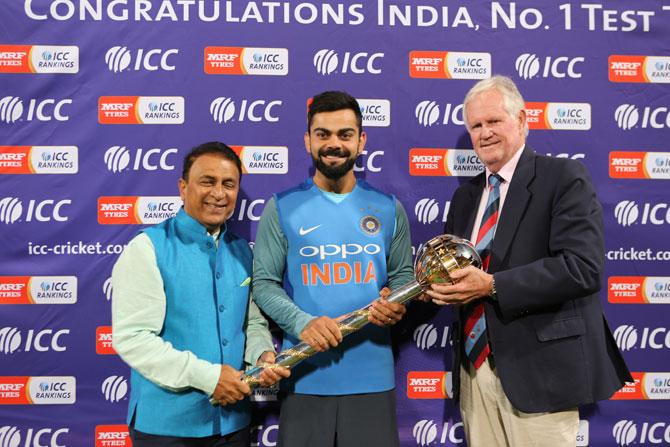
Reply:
x=333, y=101
x=212, y=147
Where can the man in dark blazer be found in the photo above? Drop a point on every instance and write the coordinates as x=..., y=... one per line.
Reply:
x=540, y=345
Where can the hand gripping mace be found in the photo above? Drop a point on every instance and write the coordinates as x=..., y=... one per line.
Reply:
x=434, y=262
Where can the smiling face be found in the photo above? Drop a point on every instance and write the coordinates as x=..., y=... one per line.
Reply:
x=210, y=192
x=495, y=135
x=334, y=141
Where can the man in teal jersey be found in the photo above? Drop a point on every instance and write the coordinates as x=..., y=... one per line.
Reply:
x=182, y=316
x=323, y=249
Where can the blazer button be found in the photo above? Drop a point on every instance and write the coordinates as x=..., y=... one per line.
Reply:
x=222, y=307
x=224, y=342
x=218, y=275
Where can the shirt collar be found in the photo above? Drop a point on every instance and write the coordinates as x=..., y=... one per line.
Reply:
x=507, y=171
x=193, y=226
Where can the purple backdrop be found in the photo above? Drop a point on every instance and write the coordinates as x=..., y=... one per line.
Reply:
x=99, y=101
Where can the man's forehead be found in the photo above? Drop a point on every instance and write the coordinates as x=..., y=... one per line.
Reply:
x=214, y=165
x=335, y=121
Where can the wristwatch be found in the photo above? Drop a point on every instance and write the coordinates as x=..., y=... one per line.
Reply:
x=494, y=293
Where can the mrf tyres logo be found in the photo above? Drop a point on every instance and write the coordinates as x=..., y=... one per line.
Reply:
x=120, y=58
x=638, y=289
x=529, y=66
x=43, y=390
x=39, y=160
x=645, y=386
x=224, y=110
x=627, y=117
x=449, y=65
x=628, y=213
x=114, y=388
x=628, y=68
x=13, y=210
x=639, y=165
x=38, y=289
x=558, y=115
x=141, y=110
x=120, y=158
x=112, y=436
x=429, y=385
x=12, y=109
x=444, y=162
x=246, y=61
x=129, y=210
x=39, y=59
x=328, y=62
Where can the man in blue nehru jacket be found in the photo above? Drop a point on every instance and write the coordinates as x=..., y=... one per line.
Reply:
x=183, y=319
x=323, y=249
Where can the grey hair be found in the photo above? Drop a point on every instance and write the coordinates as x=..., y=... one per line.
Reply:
x=512, y=99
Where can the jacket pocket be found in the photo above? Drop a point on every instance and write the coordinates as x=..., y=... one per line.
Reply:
x=558, y=329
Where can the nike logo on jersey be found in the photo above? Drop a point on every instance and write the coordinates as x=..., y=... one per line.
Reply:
x=304, y=231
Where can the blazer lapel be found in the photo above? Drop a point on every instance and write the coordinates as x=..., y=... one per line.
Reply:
x=514, y=207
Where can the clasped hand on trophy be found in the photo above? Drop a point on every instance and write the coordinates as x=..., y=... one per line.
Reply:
x=230, y=388
x=470, y=283
x=323, y=333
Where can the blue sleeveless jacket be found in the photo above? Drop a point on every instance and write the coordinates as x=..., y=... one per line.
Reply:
x=205, y=313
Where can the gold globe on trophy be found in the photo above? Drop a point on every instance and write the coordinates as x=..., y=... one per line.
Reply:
x=434, y=262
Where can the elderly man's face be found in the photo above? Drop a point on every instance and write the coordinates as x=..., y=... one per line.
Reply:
x=495, y=135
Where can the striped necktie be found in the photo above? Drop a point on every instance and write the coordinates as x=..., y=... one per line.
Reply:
x=476, y=339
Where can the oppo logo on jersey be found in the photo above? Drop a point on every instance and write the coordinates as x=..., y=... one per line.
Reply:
x=334, y=273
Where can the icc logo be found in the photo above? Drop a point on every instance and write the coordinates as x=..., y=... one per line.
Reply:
x=251, y=209
x=327, y=62
x=626, y=337
x=46, y=437
x=425, y=433
x=366, y=161
x=224, y=110
x=11, y=109
x=118, y=158
x=528, y=66
x=120, y=59
x=107, y=288
x=627, y=117
x=11, y=210
x=625, y=433
x=428, y=113
x=114, y=388
x=426, y=336
x=10, y=340
x=628, y=213
x=427, y=211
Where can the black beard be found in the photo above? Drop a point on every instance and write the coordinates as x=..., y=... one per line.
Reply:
x=334, y=172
